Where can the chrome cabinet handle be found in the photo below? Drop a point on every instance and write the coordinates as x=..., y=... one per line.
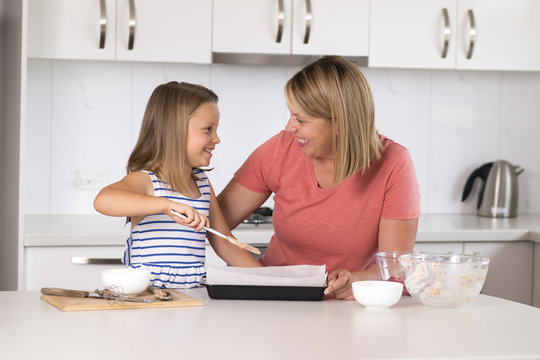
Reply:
x=80, y=260
x=472, y=33
x=281, y=20
x=447, y=33
x=309, y=19
x=132, y=24
x=102, y=23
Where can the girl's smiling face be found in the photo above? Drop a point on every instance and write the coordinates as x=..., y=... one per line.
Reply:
x=202, y=135
x=314, y=135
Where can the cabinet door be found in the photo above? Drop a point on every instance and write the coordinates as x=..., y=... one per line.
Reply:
x=338, y=27
x=440, y=247
x=506, y=35
x=67, y=29
x=164, y=30
x=411, y=34
x=60, y=266
x=252, y=26
x=510, y=270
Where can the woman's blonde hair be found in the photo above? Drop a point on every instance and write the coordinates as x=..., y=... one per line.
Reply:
x=161, y=147
x=335, y=89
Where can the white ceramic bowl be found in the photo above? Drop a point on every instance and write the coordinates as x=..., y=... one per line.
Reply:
x=444, y=280
x=377, y=294
x=128, y=281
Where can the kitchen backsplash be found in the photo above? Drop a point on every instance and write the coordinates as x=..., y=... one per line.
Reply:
x=83, y=118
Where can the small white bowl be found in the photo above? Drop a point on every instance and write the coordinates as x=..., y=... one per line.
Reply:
x=128, y=281
x=377, y=294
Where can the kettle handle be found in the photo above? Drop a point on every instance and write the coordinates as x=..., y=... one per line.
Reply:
x=482, y=172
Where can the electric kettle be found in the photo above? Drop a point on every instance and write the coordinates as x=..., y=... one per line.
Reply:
x=498, y=196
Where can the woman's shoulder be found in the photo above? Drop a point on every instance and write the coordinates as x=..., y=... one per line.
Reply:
x=392, y=149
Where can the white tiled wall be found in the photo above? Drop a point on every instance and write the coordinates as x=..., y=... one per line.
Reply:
x=86, y=115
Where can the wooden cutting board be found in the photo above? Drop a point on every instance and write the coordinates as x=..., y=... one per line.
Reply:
x=65, y=303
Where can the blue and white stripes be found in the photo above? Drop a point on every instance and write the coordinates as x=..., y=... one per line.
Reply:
x=173, y=253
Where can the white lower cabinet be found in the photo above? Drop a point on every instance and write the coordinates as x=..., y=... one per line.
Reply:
x=536, y=276
x=440, y=247
x=510, y=274
x=70, y=267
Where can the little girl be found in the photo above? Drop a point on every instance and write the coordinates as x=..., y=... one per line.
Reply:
x=177, y=137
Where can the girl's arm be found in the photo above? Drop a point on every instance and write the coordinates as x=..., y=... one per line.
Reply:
x=133, y=196
x=393, y=235
x=231, y=254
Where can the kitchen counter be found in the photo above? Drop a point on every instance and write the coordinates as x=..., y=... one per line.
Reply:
x=80, y=230
x=487, y=328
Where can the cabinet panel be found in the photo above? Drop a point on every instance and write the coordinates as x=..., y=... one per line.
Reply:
x=67, y=29
x=165, y=30
x=510, y=270
x=536, y=275
x=338, y=27
x=53, y=267
x=411, y=34
x=507, y=35
x=251, y=26
x=440, y=247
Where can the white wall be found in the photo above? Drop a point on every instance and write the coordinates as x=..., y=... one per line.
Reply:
x=86, y=115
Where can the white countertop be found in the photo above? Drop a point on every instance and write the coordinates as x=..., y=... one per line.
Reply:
x=79, y=230
x=487, y=328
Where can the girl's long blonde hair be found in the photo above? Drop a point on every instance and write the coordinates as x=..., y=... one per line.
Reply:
x=161, y=147
x=333, y=88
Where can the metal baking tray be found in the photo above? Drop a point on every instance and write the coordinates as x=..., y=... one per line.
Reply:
x=252, y=292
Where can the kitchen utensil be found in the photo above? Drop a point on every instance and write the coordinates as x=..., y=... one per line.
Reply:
x=102, y=294
x=228, y=238
x=498, y=197
x=388, y=266
x=444, y=280
x=128, y=280
x=65, y=303
x=160, y=294
x=377, y=294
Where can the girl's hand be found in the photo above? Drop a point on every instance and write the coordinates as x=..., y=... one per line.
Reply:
x=339, y=284
x=193, y=219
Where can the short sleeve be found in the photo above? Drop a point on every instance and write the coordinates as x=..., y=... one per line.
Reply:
x=402, y=193
x=254, y=173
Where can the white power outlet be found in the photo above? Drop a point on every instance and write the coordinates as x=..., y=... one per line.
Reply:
x=91, y=179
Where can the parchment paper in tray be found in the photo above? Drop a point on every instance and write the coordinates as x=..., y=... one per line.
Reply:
x=296, y=282
x=293, y=275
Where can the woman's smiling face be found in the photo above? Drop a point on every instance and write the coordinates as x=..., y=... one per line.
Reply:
x=314, y=135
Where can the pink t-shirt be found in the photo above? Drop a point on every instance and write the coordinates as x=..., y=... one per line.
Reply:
x=335, y=226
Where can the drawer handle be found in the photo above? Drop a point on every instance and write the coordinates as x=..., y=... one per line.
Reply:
x=309, y=18
x=472, y=33
x=81, y=260
x=132, y=24
x=102, y=23
x=281, y=19
x=447, y=33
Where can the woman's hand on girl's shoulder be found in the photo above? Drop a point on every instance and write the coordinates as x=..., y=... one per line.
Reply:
x=191, y=217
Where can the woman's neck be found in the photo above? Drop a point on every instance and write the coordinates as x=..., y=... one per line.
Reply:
x=324, y=172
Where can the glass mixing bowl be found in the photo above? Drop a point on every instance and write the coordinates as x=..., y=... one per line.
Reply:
x=443, y=280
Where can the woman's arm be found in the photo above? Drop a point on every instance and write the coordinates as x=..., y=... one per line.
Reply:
x=238, y=202
x=393, y=235
x=231, y=254
x=133, y=196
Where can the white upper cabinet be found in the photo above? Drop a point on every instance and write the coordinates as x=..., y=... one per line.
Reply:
x=137, y=30
x=450, y=34
x=252, y=26
x=67, y=29
x=164, y=30
x=337, y=27
x=304, y=27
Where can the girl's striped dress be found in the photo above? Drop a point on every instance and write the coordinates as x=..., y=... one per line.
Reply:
x=173, y=253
